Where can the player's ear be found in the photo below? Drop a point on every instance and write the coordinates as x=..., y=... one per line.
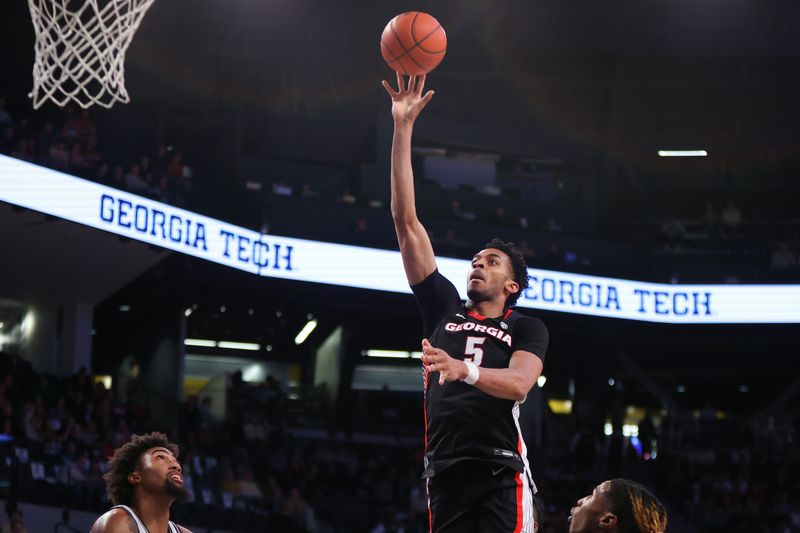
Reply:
x=512, y=286
x=134, y=477
x=608, y=521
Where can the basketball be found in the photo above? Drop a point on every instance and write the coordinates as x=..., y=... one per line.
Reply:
x=413, y=43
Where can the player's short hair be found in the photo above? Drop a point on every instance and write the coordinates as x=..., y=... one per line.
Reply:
x=637, y=510
x=126, y=459
x=518, y=266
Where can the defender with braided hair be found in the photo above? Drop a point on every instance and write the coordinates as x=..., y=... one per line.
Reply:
x=618, y=506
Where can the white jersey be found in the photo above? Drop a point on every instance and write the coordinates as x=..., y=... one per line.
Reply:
x=172, y=527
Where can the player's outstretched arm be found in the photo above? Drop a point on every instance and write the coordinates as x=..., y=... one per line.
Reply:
x=415, y=246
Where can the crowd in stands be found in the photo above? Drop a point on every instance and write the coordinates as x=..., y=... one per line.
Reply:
x=68, y=140
x=265, y=467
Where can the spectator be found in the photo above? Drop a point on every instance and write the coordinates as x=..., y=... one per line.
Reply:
x=710, y=221
x=281, y=188
x=731, y=216
x=5, y=117
x=58, y=156
x=499, y=217
x=783, y=262
x=348, y=197
x=133, y=180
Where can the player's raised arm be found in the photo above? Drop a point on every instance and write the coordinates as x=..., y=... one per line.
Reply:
x=415, y=246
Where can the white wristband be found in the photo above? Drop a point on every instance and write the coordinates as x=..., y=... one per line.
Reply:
x=472, y=373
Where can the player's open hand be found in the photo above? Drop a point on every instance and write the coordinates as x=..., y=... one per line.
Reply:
x=437, y=360
x=407, y=100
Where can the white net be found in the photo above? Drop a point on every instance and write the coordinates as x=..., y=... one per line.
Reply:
x=80, y=49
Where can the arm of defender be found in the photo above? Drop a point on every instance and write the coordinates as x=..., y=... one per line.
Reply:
x=416, y=250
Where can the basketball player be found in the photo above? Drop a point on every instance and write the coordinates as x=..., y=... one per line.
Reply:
x=481, y=360
x=618, y=506
x=143, y=480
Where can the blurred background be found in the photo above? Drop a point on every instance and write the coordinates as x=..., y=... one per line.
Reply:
x=545, y=130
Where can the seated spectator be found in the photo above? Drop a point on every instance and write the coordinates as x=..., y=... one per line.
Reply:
x=731, y=216
x=83, y=126
x=783, y=261
x=457, y=212
x=552, y=225
x=58, y=156
x=499, y=217
x=77, y=159
x=308, y=192
x=281, y=188
x=710, y=221
x=527, y=251
x=133, y=180
x=348, y=197
x=5, y=117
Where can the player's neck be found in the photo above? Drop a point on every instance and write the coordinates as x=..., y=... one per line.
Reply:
x=153, y=511
x=488, y=308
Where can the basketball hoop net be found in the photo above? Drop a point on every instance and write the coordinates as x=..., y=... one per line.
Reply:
x=80, y=49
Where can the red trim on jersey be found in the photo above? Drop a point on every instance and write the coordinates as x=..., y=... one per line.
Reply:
x=518, y=479
x=473, y=314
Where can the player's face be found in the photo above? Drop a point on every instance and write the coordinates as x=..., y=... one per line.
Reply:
x=589, y=511
x=159, y=471
x=490, y=275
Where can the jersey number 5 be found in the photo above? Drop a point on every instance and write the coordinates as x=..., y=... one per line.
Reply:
x=473, y=351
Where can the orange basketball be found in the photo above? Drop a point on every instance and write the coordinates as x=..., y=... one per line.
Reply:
x=413, y=43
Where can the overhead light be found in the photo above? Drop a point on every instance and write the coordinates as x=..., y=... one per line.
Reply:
x=541, y=381
x=269, y=347
x=2, y=324
x=188, y=311
x=222, y=308
x=743, y=388
x=124, y=308
x=608, y=429
x=394, y=354
x=251, y=311
x=239, y=345
x=680, y=388
x=305, y=332
x=200, y=342
x=611, y=382
x=682, y=153
x=416, y=355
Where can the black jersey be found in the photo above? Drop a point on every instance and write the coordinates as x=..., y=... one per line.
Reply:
x=461, y=421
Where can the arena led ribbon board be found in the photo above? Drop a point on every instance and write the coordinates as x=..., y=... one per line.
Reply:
x=122, y=213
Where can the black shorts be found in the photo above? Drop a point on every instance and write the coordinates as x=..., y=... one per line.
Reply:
x=480, y=497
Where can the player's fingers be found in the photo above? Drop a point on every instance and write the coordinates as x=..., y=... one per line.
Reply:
x=411, y=81
x=400, y=83
x=426, y=99
x=389, y=89
x=420, y=84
